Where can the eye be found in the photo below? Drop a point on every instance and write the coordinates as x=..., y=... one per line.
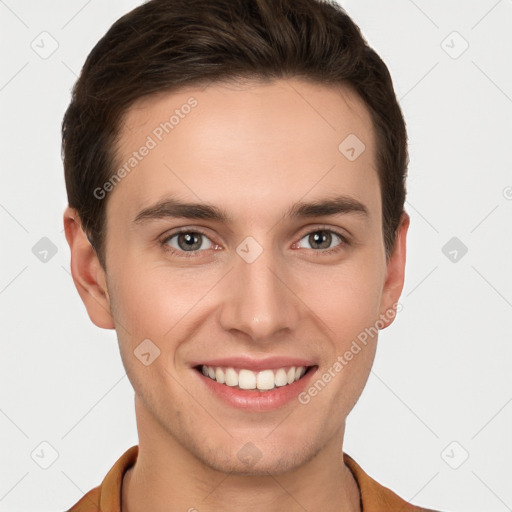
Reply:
x=190, y=243
x=187, y=241
x=322, y=239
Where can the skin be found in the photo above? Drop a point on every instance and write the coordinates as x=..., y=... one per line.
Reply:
x=253, y=149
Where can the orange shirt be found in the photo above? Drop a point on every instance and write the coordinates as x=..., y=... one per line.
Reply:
x=107, y=496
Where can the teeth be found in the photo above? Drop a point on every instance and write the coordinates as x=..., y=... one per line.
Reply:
x=231, y=377
x=246, y=379
x=263, y=380
x=281, y=379
x=219, y=375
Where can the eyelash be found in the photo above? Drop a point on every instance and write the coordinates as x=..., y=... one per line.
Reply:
x=192, y=254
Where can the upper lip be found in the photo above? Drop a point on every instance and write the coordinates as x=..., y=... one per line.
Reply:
x=254, y=364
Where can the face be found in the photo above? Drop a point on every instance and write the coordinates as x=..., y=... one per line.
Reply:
x=251, y=278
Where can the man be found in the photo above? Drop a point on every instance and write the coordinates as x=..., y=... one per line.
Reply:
x=235, y=173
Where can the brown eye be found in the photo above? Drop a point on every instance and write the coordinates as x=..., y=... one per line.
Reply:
x=187, y=241
x=322, y=239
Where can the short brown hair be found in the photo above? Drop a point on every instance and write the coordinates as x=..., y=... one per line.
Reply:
x=164, y=45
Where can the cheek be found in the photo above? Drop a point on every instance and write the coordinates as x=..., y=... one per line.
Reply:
x=347, y=298
x=349, y=305
x=150, y=302
x=149, y=305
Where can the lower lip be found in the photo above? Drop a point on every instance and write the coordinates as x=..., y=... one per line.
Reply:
x=254, y=400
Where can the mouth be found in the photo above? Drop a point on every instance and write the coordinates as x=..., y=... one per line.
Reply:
x=255, y=384
x=262, y=381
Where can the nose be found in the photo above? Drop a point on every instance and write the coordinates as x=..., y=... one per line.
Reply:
x=260, y=299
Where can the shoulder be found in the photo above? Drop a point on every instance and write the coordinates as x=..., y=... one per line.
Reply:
x=90, y=502
x=374, y=496
x=107, y=496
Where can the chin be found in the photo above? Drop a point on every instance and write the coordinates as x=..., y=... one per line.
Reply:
x=249, y=460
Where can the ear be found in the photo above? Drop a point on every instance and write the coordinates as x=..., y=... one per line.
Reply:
x=88, y=275
x=395, y=273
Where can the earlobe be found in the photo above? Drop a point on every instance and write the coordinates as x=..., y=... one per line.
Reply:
x=395, y=273
x=88, y=275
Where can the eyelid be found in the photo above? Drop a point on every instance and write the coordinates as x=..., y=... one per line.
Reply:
x=168, y=235
x=344, y=244
x=341, y=233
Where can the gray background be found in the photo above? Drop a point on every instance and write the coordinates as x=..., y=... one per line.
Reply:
x=435, y=421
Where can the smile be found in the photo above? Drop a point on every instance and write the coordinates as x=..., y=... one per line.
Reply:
x=263, y=380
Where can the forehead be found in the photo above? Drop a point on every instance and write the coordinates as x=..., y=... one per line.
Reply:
x=246, y=143
x=251, y=104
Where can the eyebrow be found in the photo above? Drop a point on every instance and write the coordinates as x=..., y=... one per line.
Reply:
x=174, y=208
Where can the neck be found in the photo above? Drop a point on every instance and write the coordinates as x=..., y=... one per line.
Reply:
x=167, y=477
